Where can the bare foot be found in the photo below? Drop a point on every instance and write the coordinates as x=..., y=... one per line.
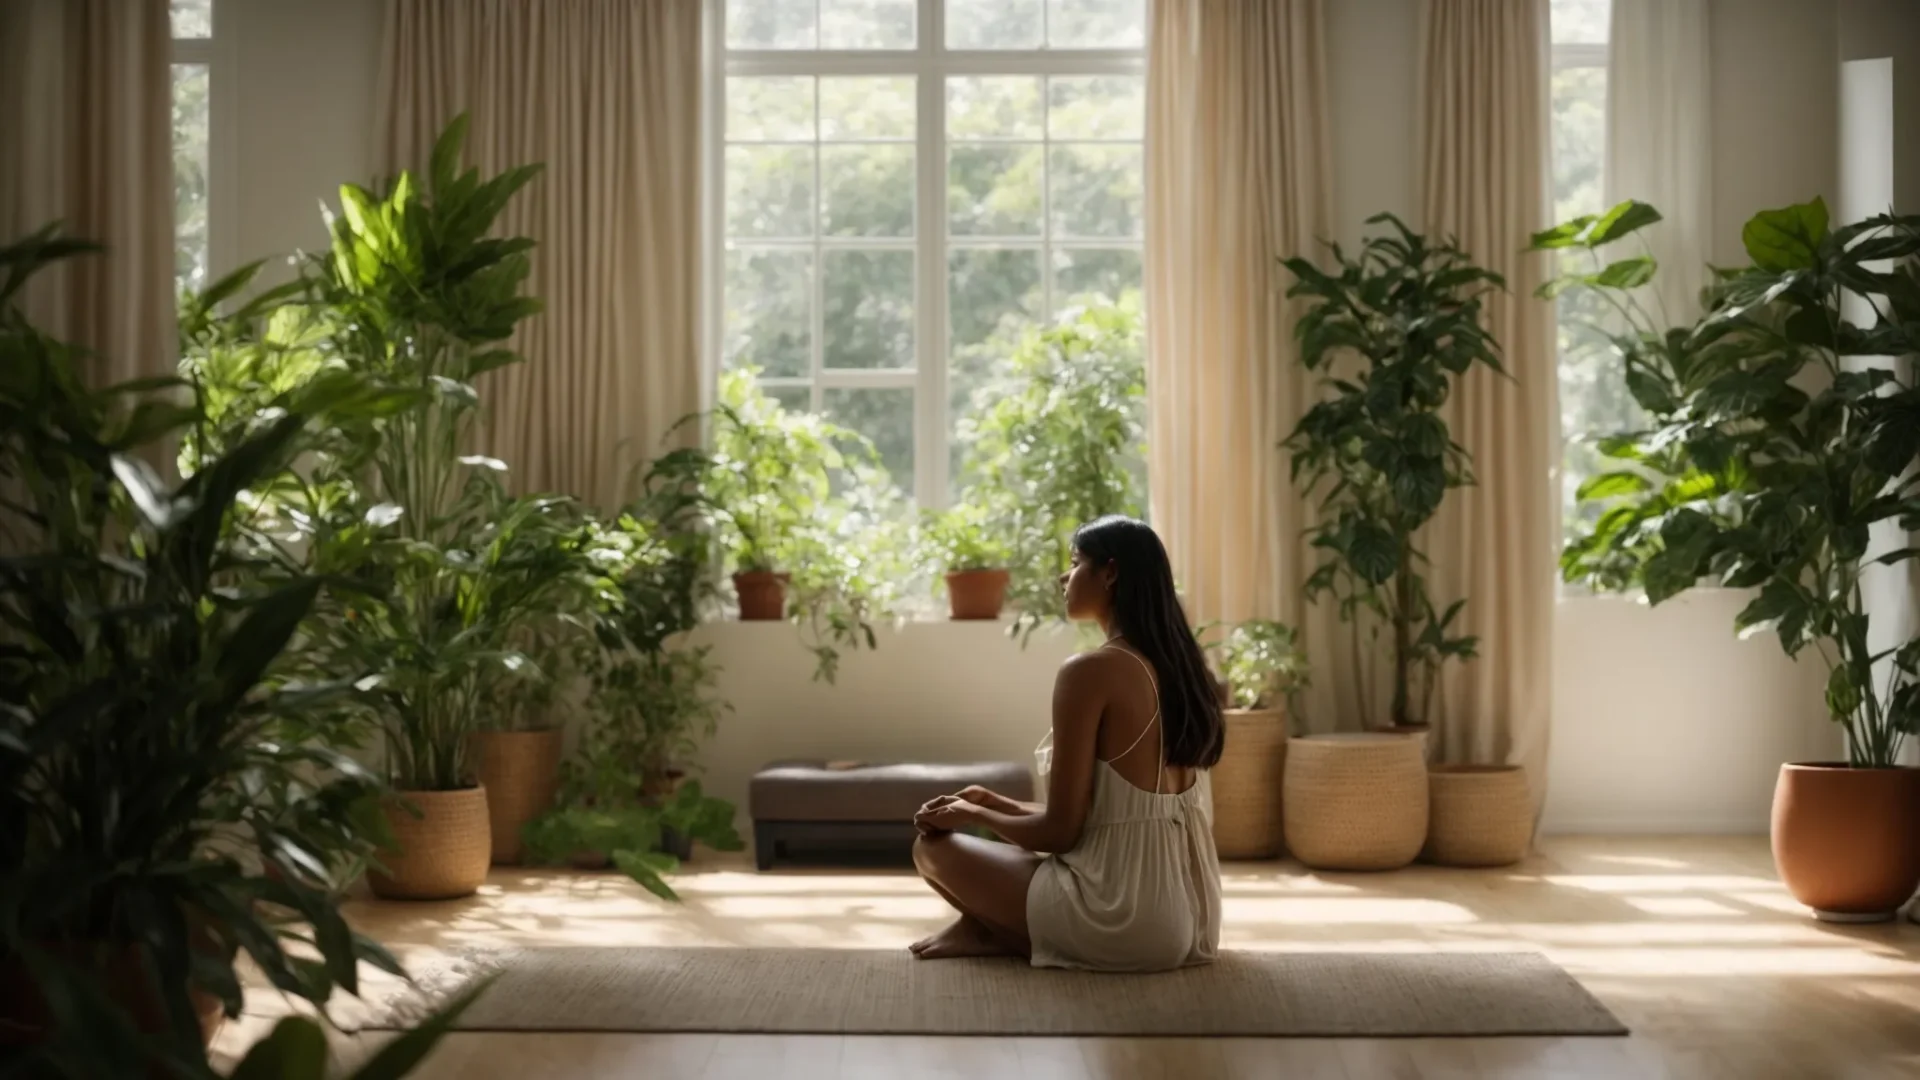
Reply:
x=966, y=937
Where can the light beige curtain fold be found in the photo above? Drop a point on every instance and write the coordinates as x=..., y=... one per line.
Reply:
x=1484, y=162
x=86, y=122
x=607, y=93
x=1237, y=178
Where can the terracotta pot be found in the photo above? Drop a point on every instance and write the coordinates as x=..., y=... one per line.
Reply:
x=521, y=772
x=1247, y=785
x=442, y=853
x=977, y=594
x=1481, y=815
x=1846, y=841
x=763, y=595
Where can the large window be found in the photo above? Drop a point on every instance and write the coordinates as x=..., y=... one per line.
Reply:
x=909, y=183
x=192, y=58
x=1593, y=394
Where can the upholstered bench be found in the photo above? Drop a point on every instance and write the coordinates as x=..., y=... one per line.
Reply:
x=826, y=805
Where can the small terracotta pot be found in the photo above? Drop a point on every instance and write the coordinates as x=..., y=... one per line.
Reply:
x=977, y=594
x=763, y=595
x=1846, y=841
x=521, y=772
x=440, y=854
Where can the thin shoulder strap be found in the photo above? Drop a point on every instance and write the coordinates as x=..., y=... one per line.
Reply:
x=1155, y=684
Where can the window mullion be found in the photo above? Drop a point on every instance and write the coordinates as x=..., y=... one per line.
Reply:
x=816, y=399
x=930, y=320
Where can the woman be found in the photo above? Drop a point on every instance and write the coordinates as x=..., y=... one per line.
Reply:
x=1117, y=870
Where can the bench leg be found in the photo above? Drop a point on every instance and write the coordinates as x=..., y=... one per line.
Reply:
x=764, y=845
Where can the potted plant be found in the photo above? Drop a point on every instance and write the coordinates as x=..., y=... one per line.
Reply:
x=155, y=758
x=1390, y=333
x=416, y=297
x=962, y=547
x=802, y=514
x=1054, y=440
x=1777, y=444
x=1262, y=668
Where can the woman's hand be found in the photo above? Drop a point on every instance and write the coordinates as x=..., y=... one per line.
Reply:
x=944, y=815
x=921, y=815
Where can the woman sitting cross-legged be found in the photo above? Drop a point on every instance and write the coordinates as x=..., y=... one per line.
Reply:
x=1117, y=870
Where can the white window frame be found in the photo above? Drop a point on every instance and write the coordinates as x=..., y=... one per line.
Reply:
x=930, y=64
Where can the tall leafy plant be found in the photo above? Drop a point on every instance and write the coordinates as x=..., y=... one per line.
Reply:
x=1390, y=331
x=1779, y=439
x=160, y=812
x=1054, y=440
x=1261, y=662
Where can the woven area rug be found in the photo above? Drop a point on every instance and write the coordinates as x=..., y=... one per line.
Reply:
x=875, y=992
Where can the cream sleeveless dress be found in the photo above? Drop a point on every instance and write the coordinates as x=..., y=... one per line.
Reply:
x=1140, y=891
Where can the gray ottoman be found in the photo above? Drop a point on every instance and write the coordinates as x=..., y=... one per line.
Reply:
x=807, y=802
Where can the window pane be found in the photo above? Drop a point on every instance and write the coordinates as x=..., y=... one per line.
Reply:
x=1080, y=275
x=769, y=316
x=770, y=191
x=796, y=399
x=869, y=190
x=991, y=294
x=1580, y=21
x=994, y=107
x=868, y=309
x=769, y=24
x=994, y=190
x=994, y=24
x=865, y=24
x=770, y=108
x=1096, y=107
x=867, y=108
x=189, y=176
x=191, y=18
x=1096, y=190
x=884, y=416
x=1096, y=24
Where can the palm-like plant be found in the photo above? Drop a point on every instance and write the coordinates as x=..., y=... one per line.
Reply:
x=152, y=759
x=1390, y=333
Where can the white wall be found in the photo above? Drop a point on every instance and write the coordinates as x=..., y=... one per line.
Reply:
x=1664, y=722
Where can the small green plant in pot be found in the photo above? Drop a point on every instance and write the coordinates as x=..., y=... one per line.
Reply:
x=1779, y=442
x=1054, y=440
x=1263, y=668
x=1390, y=331
x=801, y=513
x=960, y=545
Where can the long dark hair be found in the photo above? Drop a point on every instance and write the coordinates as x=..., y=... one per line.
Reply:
x=1147, y=612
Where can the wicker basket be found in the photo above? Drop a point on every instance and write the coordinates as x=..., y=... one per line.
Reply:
x=442, y=853
x=521, y=772
x=1355, y=802
x=1482, y=815
x=1246, y=785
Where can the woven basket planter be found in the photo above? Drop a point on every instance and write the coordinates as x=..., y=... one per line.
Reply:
x=1355, y=802
x=1482, y=815
x=1247, y=784
x=441, y=853
x=521, y=772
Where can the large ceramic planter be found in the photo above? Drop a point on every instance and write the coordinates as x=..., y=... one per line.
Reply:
x=977, y=594
x=1847, y=841
x=521, y=772
x=1355, y=801
x=1247, y=785
x=442, y=847
x=763, y=595
x=1480, y=815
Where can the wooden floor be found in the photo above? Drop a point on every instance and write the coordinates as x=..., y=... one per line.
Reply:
x=1691, y=941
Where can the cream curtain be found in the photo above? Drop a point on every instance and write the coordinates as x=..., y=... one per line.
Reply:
x=1237, y=153
x=1660, y=140
x=86, y=122
x=1484, y=159
x=607, y=94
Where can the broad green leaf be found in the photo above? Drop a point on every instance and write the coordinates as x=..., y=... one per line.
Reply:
x=1622, y=220
x=1612, y=485
x=1626, y=273
x=1788, y=238
x=1566, y=234
x=296, y=1049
